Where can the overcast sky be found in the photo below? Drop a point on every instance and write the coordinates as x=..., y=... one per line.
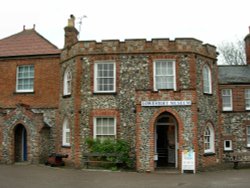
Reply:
x=211, y=21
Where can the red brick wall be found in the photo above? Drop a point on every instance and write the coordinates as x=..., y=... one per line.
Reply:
x=46, y=83
x=210, y=159
x=105, y=113
x=238, y=94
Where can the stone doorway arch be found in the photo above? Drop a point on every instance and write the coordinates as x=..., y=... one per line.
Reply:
x=166, y=141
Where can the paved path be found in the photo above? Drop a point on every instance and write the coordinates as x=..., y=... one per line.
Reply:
x=17, y=176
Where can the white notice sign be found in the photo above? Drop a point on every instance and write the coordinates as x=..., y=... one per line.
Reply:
x=166, y=103
x=188, y=160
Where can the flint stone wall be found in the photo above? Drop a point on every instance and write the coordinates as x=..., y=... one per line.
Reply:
x=38, y=133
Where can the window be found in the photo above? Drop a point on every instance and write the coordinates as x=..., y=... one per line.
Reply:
x=247, y=99
x=67, y=82
x=66, y=133
x=25, y=78
x=164, y=75
x=207, y=82
x=227, y=100
x=228, y=145
x=104, y=128
x=209, y=139
x=105, y=77
x=248, y=136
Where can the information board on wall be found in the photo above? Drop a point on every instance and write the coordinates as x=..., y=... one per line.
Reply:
x=166, y=103
x=188, y=161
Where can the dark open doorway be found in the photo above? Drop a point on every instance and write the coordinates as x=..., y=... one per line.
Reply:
x=20, y=143
x=166, y=141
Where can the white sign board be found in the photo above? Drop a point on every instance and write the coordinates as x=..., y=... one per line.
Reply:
x=166, y=103
x=188, y=160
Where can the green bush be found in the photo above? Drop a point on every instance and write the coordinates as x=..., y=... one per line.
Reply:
x=120, y=147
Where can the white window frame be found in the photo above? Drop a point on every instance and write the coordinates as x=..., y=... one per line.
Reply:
x=211, y=139
x=29, y=77
x=67, y=82
x=96, y=78
x=95, y=127
x=223, y=95
x=174, y=73
x=247, y=99
x=66, y=129
x=248, y=135
x=207, y=79
x=230, y=148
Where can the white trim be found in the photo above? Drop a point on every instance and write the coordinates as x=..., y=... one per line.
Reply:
x=211, y=143
x=174, y=72
x=95, y=126
x=65, y=82
x=227, y=108
x=17, y=80
x=228, y=148
x=206, y=67
x=247, y=90
x=176, y=146
x=247, y=127
x=176, y=140
x=64, y=132
x=95, y=76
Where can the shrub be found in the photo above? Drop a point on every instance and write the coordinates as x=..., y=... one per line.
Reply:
x=120, y=147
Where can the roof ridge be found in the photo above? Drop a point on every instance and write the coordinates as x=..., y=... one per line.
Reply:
x=45, y=39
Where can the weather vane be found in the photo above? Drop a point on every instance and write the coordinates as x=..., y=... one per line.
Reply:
x=80, y=23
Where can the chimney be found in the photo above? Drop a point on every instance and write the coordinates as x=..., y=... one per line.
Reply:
x=71, y=33
x=247, y=46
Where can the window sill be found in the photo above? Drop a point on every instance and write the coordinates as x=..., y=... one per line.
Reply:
x=104, y=93
x=208, y=154
x=23, y=92
x=208, y=94
x=66, y=146
x=231, y=150
x=66, y=96
x=163, y=90
x=227, y=111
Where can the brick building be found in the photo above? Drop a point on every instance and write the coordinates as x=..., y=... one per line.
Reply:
x=29, y=85
x=162, y=96
x=234, y=89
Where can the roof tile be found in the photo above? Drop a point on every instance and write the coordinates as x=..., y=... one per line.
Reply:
x=27, y=42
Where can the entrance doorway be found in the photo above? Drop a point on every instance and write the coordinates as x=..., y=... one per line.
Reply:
x=20, y=143
x=166, y=141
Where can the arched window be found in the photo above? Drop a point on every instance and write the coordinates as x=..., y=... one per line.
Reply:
x=209, y=139
x=207, y=80
x=66, y=133
x=67, y=82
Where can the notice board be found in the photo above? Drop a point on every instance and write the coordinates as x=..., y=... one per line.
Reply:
x=188, y=161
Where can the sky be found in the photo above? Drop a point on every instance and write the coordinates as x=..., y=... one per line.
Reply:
x=211, y=21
